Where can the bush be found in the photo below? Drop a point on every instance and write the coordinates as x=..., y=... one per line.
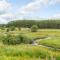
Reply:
x=7, y=30
x=8, y=39
x=12, y=28
x=25, y=39
x=13, y=40
x=34, y=28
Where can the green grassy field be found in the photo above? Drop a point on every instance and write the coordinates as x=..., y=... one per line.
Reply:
x=26, y=51
x=44, y=37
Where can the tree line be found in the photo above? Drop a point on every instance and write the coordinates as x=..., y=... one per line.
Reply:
x=53, y=24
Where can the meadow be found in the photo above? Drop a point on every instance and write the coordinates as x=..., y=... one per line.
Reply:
x=47, y=48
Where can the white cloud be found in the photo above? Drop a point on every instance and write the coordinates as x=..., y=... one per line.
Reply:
x=2, y=21
x=35, y=6
x=5, y=14
x=29, y=9
x=6, y=17
x=4, y=6
x=55, y=16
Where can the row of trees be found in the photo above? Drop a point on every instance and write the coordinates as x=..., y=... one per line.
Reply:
x=34, y=28
x=40, y=23
x=54, y=24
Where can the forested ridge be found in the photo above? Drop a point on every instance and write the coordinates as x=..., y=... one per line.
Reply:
x=55, y=24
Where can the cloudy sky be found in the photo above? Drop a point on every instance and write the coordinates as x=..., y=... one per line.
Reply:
x=28, y=9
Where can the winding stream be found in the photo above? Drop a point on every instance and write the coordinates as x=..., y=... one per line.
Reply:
x=45, y=46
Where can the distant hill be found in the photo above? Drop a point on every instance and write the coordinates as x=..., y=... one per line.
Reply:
x=53, y=24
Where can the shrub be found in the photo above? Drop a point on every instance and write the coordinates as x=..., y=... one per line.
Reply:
x=7, y=30
x=34, y=28
x=8, y=39
x=24, y=39
x=12, y=28
x=13, y=40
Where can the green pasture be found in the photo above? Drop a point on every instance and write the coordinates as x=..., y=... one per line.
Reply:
x=30, y=51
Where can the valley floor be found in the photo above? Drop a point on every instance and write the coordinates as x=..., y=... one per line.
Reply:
x=47, y=48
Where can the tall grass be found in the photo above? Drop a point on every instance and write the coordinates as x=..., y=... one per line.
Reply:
x=27, y=51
